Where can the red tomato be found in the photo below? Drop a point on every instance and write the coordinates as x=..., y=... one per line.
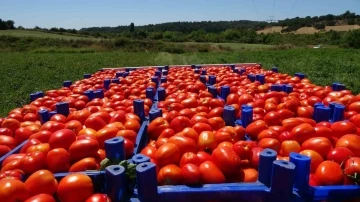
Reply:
x=329, y=173
x=191, y=174
x=98, y=198
x=350, y=141
x=170, y=175
x=132, y=124
x=62, y=139
x=83, y=148
x=203, y=156
x=319, y=144
x=74, y=125
x=255, y=156
x=11, y=124
x=268, y=133
x=207, y=141
x=129, y=148
x=75, y=187
x=323, y=131
x=58, y=118
x=190, y=158
x=291, y=123
x=303, y=132
x=149, y=151
x=7, y=141
x=339, y=154
x=180, y=123
x=167, y=133
x=199, y=119
x=43, y=147
x=33, y=162
x=316, y=159
x=243, y=149
x=84, y=164
x=168, y=153
x=58, y=160
x=12, y=174
x=216, y=123
x=95, y=122
x=4, y=149
x=200, y=127
x=41, y=182
x=12, y=157
x=272, y=118
x=104, y=134
x=289, y=146
x=41, y=198
x=190, y=133
x=13, y=190
x=216, y=112
x=341, y=128
x=251, y=175
x=184, y=144
x=22, y=134
x=52, y=126
x=156, y=127
x=255, y=128
x=43, y=136
x=270, y=143
x=211, y=174
x=6, y=131
x=226, y=160
x=29, y=143
x=351, y=169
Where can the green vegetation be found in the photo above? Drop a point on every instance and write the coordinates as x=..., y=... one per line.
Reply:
x=26, y=72
x=42, y=34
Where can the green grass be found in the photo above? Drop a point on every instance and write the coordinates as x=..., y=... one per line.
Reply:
x=235, y=46
x=24, y=73
x=40, y=34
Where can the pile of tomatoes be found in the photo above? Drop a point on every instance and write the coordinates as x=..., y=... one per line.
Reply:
x=190, y=143
x=43, y=186
x=73, y=142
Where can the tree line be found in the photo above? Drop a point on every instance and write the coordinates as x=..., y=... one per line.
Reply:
x=8, y=24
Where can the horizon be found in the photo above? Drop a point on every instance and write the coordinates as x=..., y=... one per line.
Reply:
x=112, y=13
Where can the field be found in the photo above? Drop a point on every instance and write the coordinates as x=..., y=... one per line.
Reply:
x=235, y=46
x=311, y=30
x=24, y=73
x=30, y=33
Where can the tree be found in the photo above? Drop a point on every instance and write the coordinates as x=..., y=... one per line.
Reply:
x=10, y=24
x=132, y=27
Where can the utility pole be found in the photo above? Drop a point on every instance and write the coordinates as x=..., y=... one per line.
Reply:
x=271, y=20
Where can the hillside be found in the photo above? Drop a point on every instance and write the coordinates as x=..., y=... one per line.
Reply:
x=40, y=34
x=310, y=30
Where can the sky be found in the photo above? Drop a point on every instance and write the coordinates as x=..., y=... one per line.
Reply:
x=78, y=14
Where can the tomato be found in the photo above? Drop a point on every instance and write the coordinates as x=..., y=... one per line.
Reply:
x=200, y=127
x=58, y=160
x=52, y=126
x=62, y=139
x=270, y=143
x=4, y=149
x=255, y=156
x=316, y=159
x=289, y=146
x=12, y=174
x=33, y=162
x=22, y=134
x=104, y=134
x=184, y=144
x=240, y=131
x=129, y=148
x=339, y=154
x=350, y=141
x=41, y=198
x=232, y=99
x=226, y=160
x=180, y=123
x=255, y=128
x=268, y=133
x=58, y=118
x=98, y=198
x=203, y=156
x=191, y=174
x=13, y=157
x=216, y=123
x=156, y=127
x=170, y=175
x=351, y=169
x=303, y=132
x=95, y=122
x=43, y=147
x=84, y=164
x=190, y=158
x=41, y=182
x=132, y=124
x=272, y=118
x=341, y=128
x=190, y=133
x=207, y=141
x=75, y=187
x=6, y=131
x=11, y=124
x=216, y=112
x=329, y=173
x=74, y=125
x=83, y=148
x=149, y=151
x=312, y=180
x=211, y=174
x=199, y=119
x=7, y=141
x=168, y=153
x=13, y=190
x=251, y=175
x=42, y=136
x=167, y=133
x=291, y=123
x=243, y=149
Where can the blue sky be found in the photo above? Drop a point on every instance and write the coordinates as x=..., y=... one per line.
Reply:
x=87, y=13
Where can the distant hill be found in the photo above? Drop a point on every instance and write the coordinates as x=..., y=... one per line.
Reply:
x=309, y=30
x=41, y=34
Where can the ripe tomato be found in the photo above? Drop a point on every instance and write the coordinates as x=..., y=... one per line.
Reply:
x=339, y=154
x=12, y=157
x=11, y=124
x=95, y=122
x=199, y=119
x=190, y=158
x=42, y=136
x=33, y=162
x=185, y=144
x=191, y=174
x=167, y=133
x=180, y=123
x=351, y=169
x=62, y=139
x=303, y=132
x=190, y=133
x=41, y=198
x=12, y=174
x=58, y=160
x=291, y=123
x=243, y=149
x=98, y=198
x=207, y=141
x=7, y=141
x=319, y=144
x=289, y=146
x=216, y=112
x=75, y=187
x=149, y=151
x=104, y=134
x=226, y=160
x=29, y=143
x=255, y=128
x=43, y=147
x=84, y=164
x=41, y=182
x=13, y=190
x=255, y=157
x=132, y=124
x=156, y=127
x=83, y=148
x=211, y=174
x=74, y=125
x=168, y=153
x=316, y=159
x=4, y=149
x=170, y=175
x=350, y=141
x=270, y=143
x=6, y=131
x=22, y=134
x=329, y=173
x=251, y=175
x=129, y=148
x=200, y=127
x=272, y=118
x=341, y=128
x=52, y=126
x=203, y=156
x=216, y=123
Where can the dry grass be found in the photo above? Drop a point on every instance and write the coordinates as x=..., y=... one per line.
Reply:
x=311, y=30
